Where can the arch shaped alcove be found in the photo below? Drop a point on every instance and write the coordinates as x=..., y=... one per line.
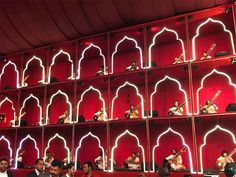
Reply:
x=126, y=55
x=7, y=107
x=6, y=150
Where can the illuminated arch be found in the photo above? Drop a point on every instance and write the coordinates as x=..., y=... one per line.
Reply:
x=99, y=144
x=65, y=146
x=82, y=57
x=12, y=107
x=217, y=127
x=154, y=42
x=201, y=25
x=208, y=75
x=82, y=97
x=137, y=92
x=50, y=102
x=17, y=72
x=170, y=130
x=21, y=142
x=38, y=104
x=26, y=67
x=116, y=48
x=53, y=62
x=8, y=145
x=116, y=145
x=180, y=88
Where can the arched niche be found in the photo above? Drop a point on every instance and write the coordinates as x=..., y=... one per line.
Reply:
x=163, y=42
x=33, y=73
x=212, y=32
x=218, y=139
x=61, y=67
x=5, y=148
x=59, y=103
x=168, y=140
x=9, y=77
x=87, y=144
x=92, y=97
x=7, y=107
x=29, y=145
x=210, y=84
x=162, y=97
x=126, y=51
x=90, y=61
x=126, y=95
x=31, y=106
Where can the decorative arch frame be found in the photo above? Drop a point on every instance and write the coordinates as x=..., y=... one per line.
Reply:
x=12, y=107
x=2, y=138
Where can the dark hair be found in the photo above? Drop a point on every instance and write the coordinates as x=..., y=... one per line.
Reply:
x=56, y=163
x=89, y=163
x=222, y=153
x=173, y=150
x=37, y=161
x=187, y=175
x=4, y=159
x=69, y=166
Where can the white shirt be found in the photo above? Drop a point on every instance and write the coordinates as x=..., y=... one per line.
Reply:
x=3, y=174
x=37, y=172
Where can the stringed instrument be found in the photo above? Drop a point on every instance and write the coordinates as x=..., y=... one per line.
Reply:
x=209, y=51
x=204, y=110
x=179, y=59
x=96, y=116
x=25, y=79
x=175, y=159
x=221, y=164
x=171, y=113
x=128, y=113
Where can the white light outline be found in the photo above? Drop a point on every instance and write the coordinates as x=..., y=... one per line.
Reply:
x=180, y=88
x=17, y=72
x=99, y=144
x=7, y=99
x=20, y=146
x=205, y=137
x=91, y=88
x=154, y=42
x=50, y=102
x=9, y=147
x=202, y=24
x=207, y=75
x=138, y=94
x=116, y=145
x=65, y=146
x=82, y=57
x=53, y=62
x=38, y=104
x=26, y=67
x=170, y=130
x=116, y=48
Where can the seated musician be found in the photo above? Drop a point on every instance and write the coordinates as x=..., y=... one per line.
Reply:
x=64, y=118
x=100, y=115
x=223, y=160
x=175, y=160
x=133, y=162
x=176, y=110
x=132, y=67
x=99, y=161
x=132, y=113
x=20, y=163
x=205, y=56
x=48, y=159
x=102, y=71
x=209, y=108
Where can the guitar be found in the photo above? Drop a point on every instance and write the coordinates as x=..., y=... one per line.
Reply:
x=221, y=164
x=204, y=110
x=209, y=51
x=175, y=159
x=179, y=59
x=171, y=113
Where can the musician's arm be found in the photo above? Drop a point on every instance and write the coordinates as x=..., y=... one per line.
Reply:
x=216, y=107
x=172, y=109
x=231, y=159
x=170, y=157
x=180, y=160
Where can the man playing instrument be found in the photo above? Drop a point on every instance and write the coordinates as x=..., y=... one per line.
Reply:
x=209, y=108
x=223, y=160
x=205, y=56
x=132, y=67
x=100, y=115
x=177, y=110
x=132, y=113
x=64, y=118
x=133, y=162
x=175, y=160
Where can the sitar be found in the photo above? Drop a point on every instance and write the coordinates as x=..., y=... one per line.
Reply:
x=175, y=159
x=204, y=110
x=127, y=114
x=179, y=59
x=222, y=164
x=170, y=113
x=95, y=117
x=210, y=50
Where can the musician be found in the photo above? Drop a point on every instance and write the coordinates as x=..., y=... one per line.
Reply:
x=176, y=110
x=132, y=113
x=176, y=163
x=4, y=164
x=64, y=118
x=100, y=115
x=99, y=161
x=20, y=163
x=209, y=108
x=2, y=117
x=48, y=159
x=132, y=67
x=133, y=162
x=223, y=160
x=205, y=56
x=102, y=71
x=179, y=59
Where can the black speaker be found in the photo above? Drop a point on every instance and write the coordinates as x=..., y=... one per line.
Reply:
x=53, y=79
x=81, y=118
x=222, y=53
x=230, y=169
x=231, y=107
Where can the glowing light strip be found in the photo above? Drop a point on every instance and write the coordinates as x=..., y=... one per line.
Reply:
x=38, y=104
x=180, y=88
x=9, y=146
x=26, y=67
x=50, y=102
x=170, y=130
x=82, y=97
x=99, y=144
x=198, y=29
x=209, y=74
x=21, y=142
x=65, y=146
x=12, y=107
x=205, y=137
x=154, y=42
x=137, y=92
x=17, y=72
x=116, y=48
x=82, y=57
x=53, y=62
x=116, y=145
